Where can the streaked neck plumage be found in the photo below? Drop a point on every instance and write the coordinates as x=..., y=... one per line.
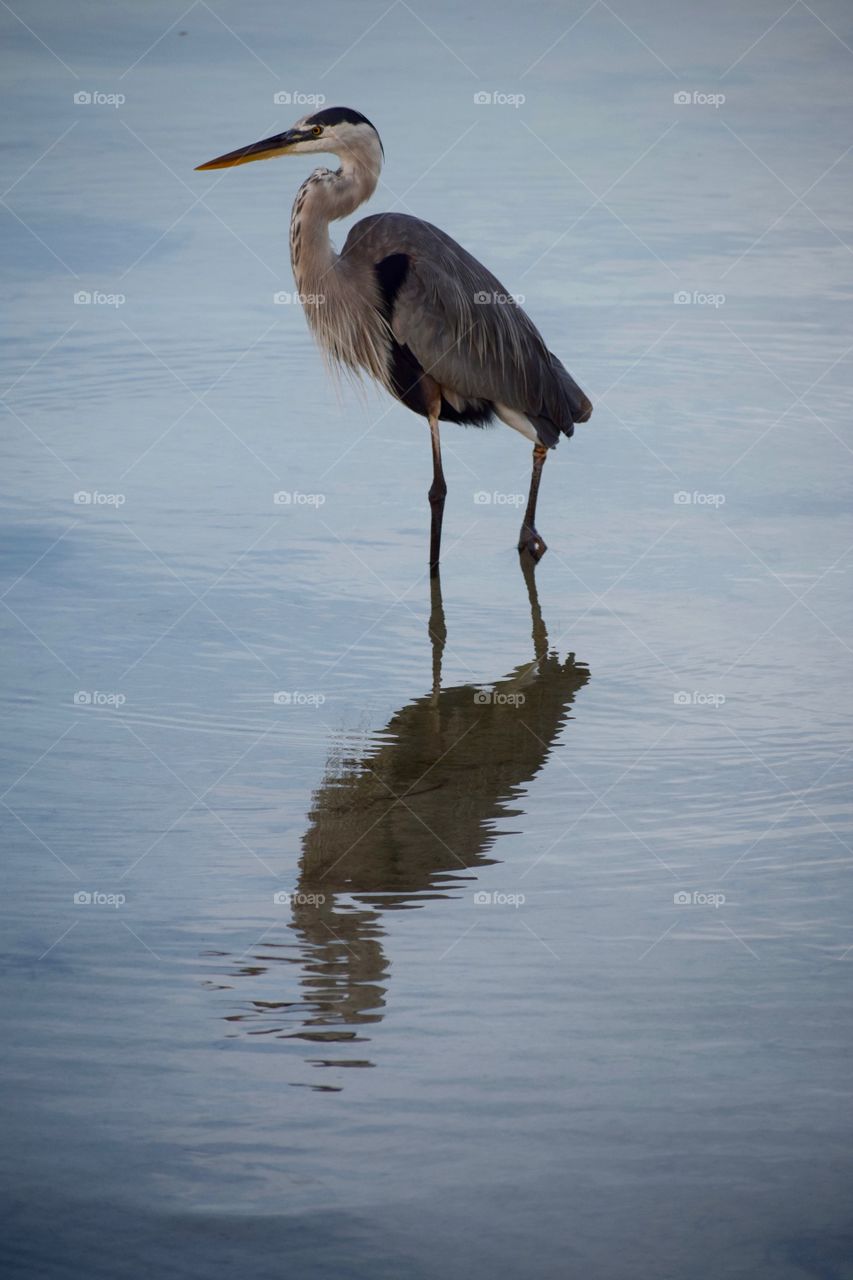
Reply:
x=340, y=303
x=325, y=196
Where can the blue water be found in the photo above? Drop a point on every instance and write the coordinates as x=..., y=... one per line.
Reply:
x=501, y=928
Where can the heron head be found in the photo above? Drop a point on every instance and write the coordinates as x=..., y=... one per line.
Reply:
x=340, y=130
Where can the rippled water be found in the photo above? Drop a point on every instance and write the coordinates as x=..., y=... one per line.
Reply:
x=495, y=926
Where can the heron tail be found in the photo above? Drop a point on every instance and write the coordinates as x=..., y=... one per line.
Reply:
x=579, y=404
x=563, y=405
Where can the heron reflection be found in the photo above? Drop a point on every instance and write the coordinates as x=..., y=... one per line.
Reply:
x=411, y=819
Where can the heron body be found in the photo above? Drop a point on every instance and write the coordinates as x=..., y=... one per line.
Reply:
x=406, y=305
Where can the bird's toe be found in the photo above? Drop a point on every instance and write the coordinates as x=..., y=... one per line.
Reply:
x=531, y=542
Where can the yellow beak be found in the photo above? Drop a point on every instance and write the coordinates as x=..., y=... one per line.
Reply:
x=263, y=150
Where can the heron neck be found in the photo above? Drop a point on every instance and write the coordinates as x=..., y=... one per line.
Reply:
x=323, y=198
x=354, y=182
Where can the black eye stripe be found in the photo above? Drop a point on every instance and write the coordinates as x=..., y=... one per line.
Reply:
x=338, y=115
x=331, y=116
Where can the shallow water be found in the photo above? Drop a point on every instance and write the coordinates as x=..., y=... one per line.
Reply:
x=500, y=927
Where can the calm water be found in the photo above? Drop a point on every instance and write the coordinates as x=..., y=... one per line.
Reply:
x=495, y=928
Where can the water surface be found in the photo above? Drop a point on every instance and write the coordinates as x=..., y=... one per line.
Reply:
x=495, y=926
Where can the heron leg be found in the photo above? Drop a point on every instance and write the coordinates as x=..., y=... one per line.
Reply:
x=529, y=540
x=437, y=494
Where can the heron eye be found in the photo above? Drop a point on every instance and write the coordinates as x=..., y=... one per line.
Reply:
x=317, y=130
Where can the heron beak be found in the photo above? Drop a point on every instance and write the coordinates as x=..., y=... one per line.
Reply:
x=263, y=150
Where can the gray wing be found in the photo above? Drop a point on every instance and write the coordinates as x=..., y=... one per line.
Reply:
x=463, y=326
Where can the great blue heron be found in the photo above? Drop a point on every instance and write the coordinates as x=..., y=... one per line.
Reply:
x=407, y=305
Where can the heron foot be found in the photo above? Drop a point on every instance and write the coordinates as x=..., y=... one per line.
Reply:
x=532, y=542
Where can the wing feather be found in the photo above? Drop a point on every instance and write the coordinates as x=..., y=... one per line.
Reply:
x=461, y=323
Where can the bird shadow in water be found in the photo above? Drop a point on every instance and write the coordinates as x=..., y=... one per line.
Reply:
x=407, y=822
